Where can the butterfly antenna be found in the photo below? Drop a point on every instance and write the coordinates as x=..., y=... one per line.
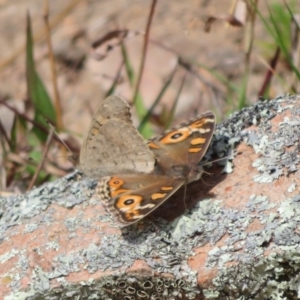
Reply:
x=206, y=182
x=73, y=158
x=216, y=160
x=211, y=173
x=184, y=194
x=55, y=132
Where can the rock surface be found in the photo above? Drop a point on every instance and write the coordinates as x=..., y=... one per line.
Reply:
x=239, y=236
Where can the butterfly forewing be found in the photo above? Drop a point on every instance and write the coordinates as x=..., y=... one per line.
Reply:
x=113, y=145
x=184, y=145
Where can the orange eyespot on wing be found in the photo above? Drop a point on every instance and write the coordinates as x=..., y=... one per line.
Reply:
x=131, y=208
x=115, y=186
x=115, y=182
x=128, y=202
x=176, y=136
x=133, y=215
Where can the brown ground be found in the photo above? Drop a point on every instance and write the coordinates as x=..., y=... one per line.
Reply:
x=178, y=25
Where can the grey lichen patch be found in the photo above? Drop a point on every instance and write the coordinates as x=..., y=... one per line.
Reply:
x=67, y=192
x=31, y=227
x=273, y=277
x=23, y=262
x=292, y=187
x=21, y=295
x=259, y=203
x=52, y=245
x=275, y=161
x=8, y=255
x=71, y=224
x=287, y=233
x=124, y=287
x=268, y=178
x=280, y=149
x=208, y=218
x=289, y=209
x=78, y=222
x=40, y=280
x=228, y=168
x=21, y=267
x=63, y=265
x=202, y=218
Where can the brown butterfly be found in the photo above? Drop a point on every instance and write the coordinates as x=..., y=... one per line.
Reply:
x=136, y=176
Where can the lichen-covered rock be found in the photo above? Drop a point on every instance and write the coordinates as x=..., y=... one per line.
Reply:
x=239, y=236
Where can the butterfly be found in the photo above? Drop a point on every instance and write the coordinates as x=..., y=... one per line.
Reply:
x=136, y=176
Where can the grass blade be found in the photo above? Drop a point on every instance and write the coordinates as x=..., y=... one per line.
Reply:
x=141, y=110
x=156, y=102
x=36, y=90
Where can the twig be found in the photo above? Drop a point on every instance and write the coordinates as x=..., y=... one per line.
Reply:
x=53, y=68
x=23, y=116
x=57, y=100
x=144, y=52
x=40, y=165
x=270, y=72
x=188, y=66
x=6, y=138
x=172, y=112
x=116, y=80
x=248, y=40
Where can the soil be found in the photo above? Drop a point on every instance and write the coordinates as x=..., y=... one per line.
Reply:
x=177, y=31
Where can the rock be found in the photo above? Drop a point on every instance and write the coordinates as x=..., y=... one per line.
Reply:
x=239, y=237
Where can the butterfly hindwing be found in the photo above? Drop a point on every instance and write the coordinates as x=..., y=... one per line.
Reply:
x=133, y=197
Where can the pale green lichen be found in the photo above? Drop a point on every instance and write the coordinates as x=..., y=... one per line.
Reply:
x=274, y=277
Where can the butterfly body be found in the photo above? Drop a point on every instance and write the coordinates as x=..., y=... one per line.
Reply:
x=136, y=176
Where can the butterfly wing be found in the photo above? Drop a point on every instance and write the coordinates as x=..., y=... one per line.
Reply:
x=183, y=146
x=132, y=197
x=113, y=145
